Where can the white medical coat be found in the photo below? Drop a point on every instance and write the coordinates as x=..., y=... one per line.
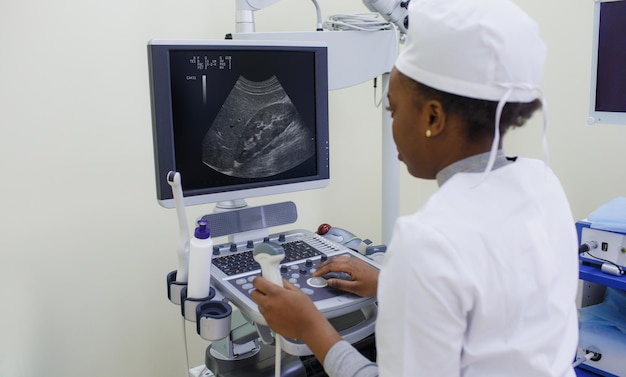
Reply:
x=482, y=280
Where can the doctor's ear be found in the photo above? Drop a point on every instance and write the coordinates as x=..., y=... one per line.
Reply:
x=436, y=117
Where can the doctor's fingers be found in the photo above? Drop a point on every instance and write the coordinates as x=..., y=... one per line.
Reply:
x=344, y=285
x=266, y=294
x=264, y=287
x=337, y=264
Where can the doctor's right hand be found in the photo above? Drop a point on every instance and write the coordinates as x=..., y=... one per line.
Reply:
x=364, y=277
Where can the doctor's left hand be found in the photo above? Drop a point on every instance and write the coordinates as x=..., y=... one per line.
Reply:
x=291, y=313
x=288, y=310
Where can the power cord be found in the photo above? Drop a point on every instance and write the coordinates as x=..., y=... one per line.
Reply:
x=184, y=326
x=608, y=266
x=590, y=355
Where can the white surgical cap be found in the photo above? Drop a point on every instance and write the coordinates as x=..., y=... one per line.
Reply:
x=482, y=49
x=473, y=48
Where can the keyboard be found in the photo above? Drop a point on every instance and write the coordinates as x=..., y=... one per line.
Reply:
x=243, y=262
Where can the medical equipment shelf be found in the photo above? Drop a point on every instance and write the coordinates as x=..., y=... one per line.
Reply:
x=585, y=373
x=591, y=372
x=594, y=275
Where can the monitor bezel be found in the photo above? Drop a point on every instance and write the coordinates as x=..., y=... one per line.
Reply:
x=597, y=116
x=163, y=127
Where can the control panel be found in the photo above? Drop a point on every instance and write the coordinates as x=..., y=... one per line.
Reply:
x=234, y=269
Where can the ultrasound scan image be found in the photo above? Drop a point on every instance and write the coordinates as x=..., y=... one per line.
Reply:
x=257, y=133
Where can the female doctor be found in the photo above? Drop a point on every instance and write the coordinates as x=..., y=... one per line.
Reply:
x=482, y=280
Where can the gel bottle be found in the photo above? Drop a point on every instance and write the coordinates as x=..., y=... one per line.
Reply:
x=200, y=254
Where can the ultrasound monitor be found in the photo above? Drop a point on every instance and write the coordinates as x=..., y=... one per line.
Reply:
x=608, y=68
x=238, y=119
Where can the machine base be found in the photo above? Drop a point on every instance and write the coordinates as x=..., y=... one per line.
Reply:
x=259, y=365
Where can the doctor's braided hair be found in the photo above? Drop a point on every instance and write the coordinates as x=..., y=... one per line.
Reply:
x=479, y=114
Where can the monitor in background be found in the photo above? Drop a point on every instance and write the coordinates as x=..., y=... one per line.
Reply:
x=608, y=68
x=238, y=119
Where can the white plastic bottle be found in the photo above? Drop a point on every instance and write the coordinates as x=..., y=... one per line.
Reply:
x=200, y=254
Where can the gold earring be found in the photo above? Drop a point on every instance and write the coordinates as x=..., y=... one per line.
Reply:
x=428, y=133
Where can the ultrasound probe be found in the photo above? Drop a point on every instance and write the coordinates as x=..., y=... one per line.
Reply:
x=269, y=255
x=174, y=180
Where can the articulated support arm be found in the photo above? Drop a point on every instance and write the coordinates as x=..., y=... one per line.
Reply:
x=244, y=17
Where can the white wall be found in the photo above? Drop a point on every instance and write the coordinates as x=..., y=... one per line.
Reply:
x=84, y=247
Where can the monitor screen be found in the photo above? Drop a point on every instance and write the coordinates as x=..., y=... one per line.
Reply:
x=608, y=76
x=238, y=119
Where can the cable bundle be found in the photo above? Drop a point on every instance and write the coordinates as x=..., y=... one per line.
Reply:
x=357, y=21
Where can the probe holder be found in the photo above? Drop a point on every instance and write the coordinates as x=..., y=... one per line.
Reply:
x=174, y=288
x=189, y=305
x=213, y=320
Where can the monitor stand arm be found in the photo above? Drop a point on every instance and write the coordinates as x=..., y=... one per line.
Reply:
x=229, y=205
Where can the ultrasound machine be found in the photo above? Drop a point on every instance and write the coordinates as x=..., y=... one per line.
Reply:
x=232, y=120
